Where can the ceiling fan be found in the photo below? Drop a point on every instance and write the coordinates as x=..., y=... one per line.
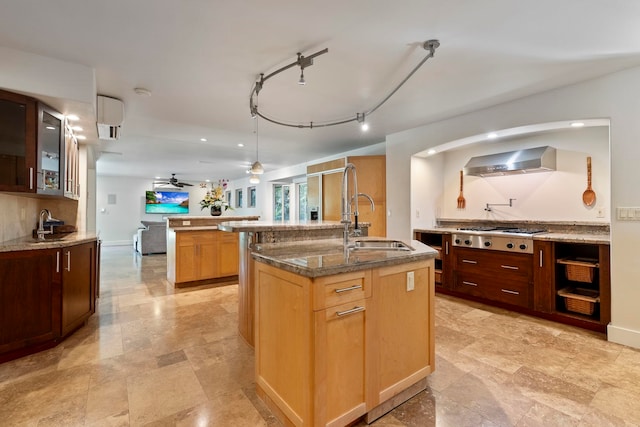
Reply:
x=173, y=181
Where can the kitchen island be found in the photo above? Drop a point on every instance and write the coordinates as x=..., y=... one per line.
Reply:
x=252, y=233
x=342, y=333
x=198, y=253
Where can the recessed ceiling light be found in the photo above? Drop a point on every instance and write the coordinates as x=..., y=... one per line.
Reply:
x=81, y=137
x=241, y=145
x=492, y=135
x=203, y=139
x=432, y=151
x=73, y=117
x=577, y=124
x=207, y=180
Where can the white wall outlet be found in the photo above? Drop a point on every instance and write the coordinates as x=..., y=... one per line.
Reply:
x=601, y=212
x=410, y=281
x=186, y=222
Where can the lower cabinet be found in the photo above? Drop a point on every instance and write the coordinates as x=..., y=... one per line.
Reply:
x=45, y=294
x=201, y=255
x=564, y=281
x=78, y=285
x=29, y=300
x=331, y=349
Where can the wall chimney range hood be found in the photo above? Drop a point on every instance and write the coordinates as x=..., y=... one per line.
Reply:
x=530, y=160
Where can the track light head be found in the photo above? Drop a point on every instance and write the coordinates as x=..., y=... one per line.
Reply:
x=302, y=82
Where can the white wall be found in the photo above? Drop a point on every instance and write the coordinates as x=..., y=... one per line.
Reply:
x=548, y=196
x=606, y=97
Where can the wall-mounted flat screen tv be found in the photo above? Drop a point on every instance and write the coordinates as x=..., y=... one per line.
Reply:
x=166, y=202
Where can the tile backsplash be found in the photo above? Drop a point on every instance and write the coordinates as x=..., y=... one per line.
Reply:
x=19, y=214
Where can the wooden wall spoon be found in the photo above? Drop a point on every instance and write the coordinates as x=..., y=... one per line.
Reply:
x=589, y=196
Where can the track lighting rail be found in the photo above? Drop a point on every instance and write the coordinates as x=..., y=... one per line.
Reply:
x=306, y=61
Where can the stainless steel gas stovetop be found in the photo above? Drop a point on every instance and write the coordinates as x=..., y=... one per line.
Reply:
x=507, y=239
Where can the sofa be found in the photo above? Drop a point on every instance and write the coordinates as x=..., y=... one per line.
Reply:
x=152, y=238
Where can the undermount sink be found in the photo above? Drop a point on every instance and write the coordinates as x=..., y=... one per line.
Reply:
x=382, y=245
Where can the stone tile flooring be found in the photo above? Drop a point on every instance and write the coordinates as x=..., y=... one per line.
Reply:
x=156, y=356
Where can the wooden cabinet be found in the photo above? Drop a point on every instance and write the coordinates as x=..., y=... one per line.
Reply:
x=443, y=268
x=402, y=353
x=18, y=135
x=45, y=295
x=331, y=349
x=325, y=189
x=78, y=285
x=202, y=255
x=503, y=277
x=29, y=300
x=50, y=151
x=71, y=165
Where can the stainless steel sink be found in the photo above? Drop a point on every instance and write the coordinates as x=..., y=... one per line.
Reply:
x=381, y=245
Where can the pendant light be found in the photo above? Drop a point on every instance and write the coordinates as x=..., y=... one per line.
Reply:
x=256, y=167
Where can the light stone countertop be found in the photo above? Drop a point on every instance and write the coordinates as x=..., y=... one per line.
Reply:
x=326, y=257
x=28, y=243
x=257, y=226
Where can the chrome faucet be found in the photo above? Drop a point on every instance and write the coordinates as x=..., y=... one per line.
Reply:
x=41, y=231
x=347, y=200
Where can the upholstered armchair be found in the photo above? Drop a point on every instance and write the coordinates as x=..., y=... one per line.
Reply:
x=153, y=238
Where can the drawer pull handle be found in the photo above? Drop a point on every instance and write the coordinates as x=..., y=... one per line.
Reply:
x=469, y=261
x=356, y=309
x=469, y=283
x=350, y=288
x=510, y=267
x=57, y=261
x=507, y=291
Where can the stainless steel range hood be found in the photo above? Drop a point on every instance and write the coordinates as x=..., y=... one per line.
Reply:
x=539, y=159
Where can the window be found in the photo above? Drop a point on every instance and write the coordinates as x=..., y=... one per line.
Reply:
x=227, y=197
x=302, y=201
x=281, y=202
x=252, y=197
x=239, y=198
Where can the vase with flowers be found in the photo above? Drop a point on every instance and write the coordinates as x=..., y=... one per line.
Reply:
x=214, y=199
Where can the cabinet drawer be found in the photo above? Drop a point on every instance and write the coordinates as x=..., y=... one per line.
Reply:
x=514, y=292
x=490, y=262
x=333, y=291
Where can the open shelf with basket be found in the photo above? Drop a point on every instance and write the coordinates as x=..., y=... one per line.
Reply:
x=582, y=281
x=441, y=243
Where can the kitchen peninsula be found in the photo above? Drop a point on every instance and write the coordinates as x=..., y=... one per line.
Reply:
x=342, y=332
x=198, y=252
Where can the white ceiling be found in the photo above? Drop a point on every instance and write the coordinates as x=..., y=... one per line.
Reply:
x=200, y=59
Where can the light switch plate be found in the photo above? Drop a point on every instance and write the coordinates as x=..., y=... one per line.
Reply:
x=410, y=281
x=628, y=213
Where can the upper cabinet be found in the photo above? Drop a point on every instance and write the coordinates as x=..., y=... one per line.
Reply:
x=38, y=152
x=17, y=142
x=50, y=151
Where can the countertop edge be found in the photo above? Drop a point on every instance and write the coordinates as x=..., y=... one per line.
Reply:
x=29, y=243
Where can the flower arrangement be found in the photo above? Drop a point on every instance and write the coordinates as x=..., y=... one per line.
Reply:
x=215, y=196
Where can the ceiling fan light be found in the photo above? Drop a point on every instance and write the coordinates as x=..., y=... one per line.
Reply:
x=254, y=179
x=257, y=168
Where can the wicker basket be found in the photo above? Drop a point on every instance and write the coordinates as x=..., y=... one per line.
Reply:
x=580, y=269
x=580, y=300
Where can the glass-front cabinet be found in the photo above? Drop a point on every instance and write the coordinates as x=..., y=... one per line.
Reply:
x=50, y=154
x=17, y=142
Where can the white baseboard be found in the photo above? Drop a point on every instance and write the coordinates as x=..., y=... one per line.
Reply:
x=623, y=336
x=118, y=243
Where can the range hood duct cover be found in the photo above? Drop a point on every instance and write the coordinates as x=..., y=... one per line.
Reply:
x=530, y=160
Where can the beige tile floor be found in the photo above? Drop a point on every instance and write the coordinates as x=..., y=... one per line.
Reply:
x=156, y=356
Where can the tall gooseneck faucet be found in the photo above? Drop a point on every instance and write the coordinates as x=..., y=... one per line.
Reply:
x=346, y=201
x=41, y=231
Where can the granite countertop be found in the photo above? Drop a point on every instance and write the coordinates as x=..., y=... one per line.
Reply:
x=326, y=257
x=59, y=241
x=257, y=226
x=558, y=232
